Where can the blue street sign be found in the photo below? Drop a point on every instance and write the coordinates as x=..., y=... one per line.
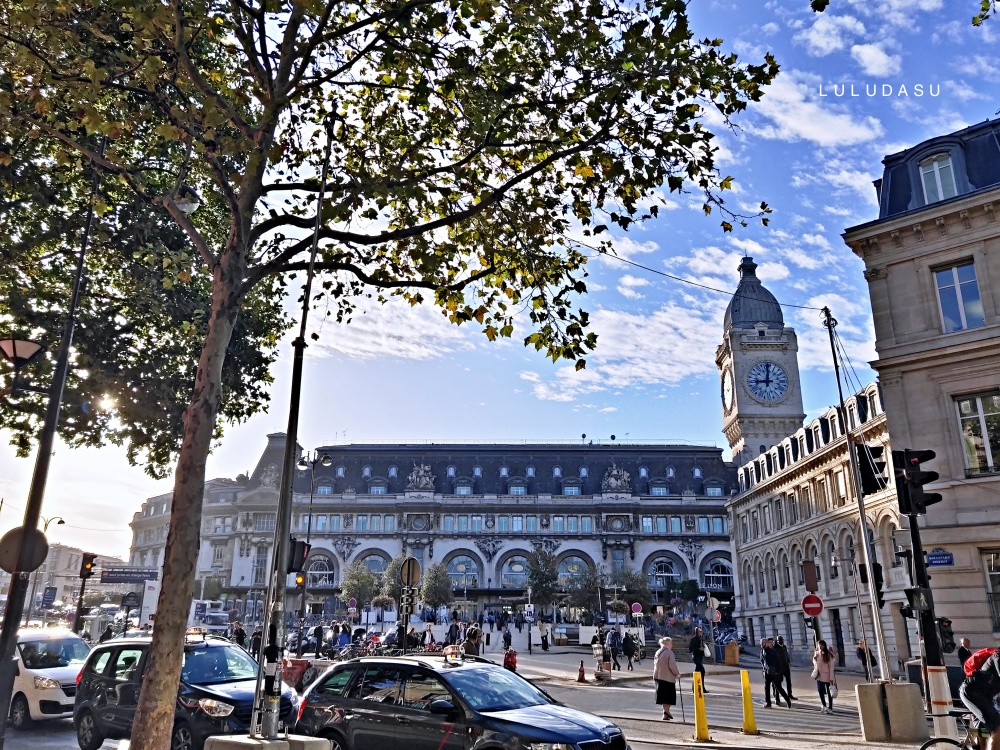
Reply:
x=49, y=596
x=938, y=557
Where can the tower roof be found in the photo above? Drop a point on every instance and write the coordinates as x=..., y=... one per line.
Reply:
x=752, y=303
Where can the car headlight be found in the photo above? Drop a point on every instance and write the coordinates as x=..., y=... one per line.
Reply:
x=551, y=746
x=215, y=708
x=45, y=683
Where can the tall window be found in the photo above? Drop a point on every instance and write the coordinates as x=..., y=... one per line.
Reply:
x=517, y=523
x=958, y=295
x=449, y=523
x=938, y=178
x=979, y=418
x=675, y=524
x=514, y=573
x=531, y=523
x=586, y=524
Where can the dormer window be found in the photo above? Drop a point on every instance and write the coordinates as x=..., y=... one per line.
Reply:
x=366, y=471
x=938, y=178
x=340, y=471
x=529, y=471
x=393, y=471
x=451, y=471
x=556, y=471
x=696, y=472
x=670, y=472
x=583, y=472
x=477, y=471
x=504, y=471
x=643, y=472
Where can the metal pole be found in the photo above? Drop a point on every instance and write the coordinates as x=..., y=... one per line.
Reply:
x=305, y=573
x=885, y=671
x=78, y=620
x=36, y=493
x=268, y=704
x=861, y=614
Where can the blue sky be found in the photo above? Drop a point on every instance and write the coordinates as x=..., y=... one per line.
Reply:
x=398, y=374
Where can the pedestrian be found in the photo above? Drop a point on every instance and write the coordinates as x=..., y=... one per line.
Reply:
x=428, y=636
x=614, y=644
x=780, y=645
x=507, y=637
x=471, y=644
x=824, y=672
x=239, y=635
x=519, y=621
x=964, y=651
x=492, y=621
x=629, y=649
x=697, y=648
x=344, y=639
x=867, y=659
x=774, y=673
x=453, y=632
x=255, y=643
x=318, y=633
x=107, y=635
x=665, y=675
x=543, y=629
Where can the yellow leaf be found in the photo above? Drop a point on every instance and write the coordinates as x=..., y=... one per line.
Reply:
x=5, y=159
x=583, y=170
x=184, y=276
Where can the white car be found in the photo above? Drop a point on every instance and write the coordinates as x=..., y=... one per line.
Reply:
x=47, y=665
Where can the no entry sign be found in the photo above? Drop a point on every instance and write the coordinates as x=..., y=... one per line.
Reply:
x=812, y=605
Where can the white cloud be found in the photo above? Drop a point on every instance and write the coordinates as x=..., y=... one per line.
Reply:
x=829, y=34
x=627, y=286
x=794, y=114
x=607, y=410
x=770, y=28
x=875, y=61
x=978, y=66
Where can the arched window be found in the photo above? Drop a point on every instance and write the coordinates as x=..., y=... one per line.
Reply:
x=831, y=561
x=514, y=573
x=321, y=574
x=718, y=575
x=375, y=563
x=696, y=472
x=643, y=472
x=572, y=567
x=393, y=471
x=450, y=471
x=340, y=471
x=662, y=574
x=504, y=471
x=463, y=571
x=583, y=472
x=366, y=471
x=477, y=471
x=529, y=471
x=670, y=472
x=557, y=471
x=938, y=178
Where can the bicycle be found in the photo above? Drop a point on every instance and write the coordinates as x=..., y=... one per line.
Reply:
x=973, y=733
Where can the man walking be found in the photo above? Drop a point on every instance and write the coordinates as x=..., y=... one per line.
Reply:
x=318, y=632
x=964, y=651
x=774, y=672
x=780, y=645
x=697, y=649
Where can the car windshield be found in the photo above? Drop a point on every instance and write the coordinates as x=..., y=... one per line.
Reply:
x=495, y=689
x=207, y=665
x=51, y=654
x=216, y=618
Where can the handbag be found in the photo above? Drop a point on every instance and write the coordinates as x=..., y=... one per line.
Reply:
x=707, y=651
x=815, y=674
x=833, y=690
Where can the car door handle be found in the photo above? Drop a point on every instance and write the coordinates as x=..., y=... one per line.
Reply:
x=403, y=720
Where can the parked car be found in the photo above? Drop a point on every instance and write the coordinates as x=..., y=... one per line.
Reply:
x=46, y=665
x=435, y=702
x=215, y=694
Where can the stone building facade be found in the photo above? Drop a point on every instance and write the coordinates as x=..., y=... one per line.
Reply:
x=932, y=261
x=480, y=509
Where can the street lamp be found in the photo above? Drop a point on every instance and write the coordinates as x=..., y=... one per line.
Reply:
x=308, y=463
x=34, y=579
x=853, y=562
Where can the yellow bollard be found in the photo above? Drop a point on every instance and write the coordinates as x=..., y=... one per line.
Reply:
x=700, y=717
x=749, y=722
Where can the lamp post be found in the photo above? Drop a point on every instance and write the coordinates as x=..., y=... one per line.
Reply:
x=34, y=578
x=308, y=462
x=853, y=562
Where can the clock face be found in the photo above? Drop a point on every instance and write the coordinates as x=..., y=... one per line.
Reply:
x=767, y=381
x=727, y=389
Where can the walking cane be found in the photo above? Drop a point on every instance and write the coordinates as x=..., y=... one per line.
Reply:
x=680, y=693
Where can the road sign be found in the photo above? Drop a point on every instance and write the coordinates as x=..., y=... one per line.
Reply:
x=128, y=574
x=713, y=602
x=49, y=596
x=352, y=610
x=131, y=600
x=710, y=614
x=529, y=612
x=939, y=557
x=409, y=571
x=812, y=605
x=38, y=549
x=636, y=608
x=717, y=617
x=352, y=603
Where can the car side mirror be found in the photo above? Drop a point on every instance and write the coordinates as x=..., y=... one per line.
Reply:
x=441, y=706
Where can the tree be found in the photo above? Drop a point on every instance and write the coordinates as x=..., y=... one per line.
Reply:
x=392, y=583
x=473, y=148
x=689, y=590
x=636, y=588
x=543, y=577
x=583, y=591
x=358, y=583
x=435, y=589
x=211, y=589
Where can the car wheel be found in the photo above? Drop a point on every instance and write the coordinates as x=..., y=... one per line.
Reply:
x=182, y=738
x=309, y=676
x=20, y=714
x=336, y=741
x=88, y=736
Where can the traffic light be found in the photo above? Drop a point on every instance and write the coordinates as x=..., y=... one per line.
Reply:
x=871, y=466
x=878, y=581
x=902, y=490
x=298, y=551
x=916, y=478
x=946, y=635
x=87, y=565
x=300, y=580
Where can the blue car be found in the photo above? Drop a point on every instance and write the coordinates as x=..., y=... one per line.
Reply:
x=215, y=694
x=443, y=702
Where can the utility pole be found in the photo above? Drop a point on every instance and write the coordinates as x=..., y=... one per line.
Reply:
x=867, y=553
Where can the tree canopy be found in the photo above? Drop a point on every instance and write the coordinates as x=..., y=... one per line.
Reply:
x=435, y=588
x=543, y=577
x=358, y=582
x=478, y=152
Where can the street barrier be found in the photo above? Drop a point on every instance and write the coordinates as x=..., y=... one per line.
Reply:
x=940, y=692
x=749, y=721
x=700, y=716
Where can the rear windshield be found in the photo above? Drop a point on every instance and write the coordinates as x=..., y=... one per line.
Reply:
x=52, y=654
x=495, y=689
x=206, y=665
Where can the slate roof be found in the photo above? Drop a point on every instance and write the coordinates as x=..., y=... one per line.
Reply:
x=752, y=303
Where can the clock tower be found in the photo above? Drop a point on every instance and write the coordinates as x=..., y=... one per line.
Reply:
x=759, y=370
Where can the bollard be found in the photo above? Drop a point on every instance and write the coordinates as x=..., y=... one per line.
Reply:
x=940, y=692
x=700, y=717
x=749, y=721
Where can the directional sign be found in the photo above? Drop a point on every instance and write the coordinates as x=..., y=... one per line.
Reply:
x=812, y=605
x=409, y=571
x=636, y=608
x=49, y=596
x=128, y=574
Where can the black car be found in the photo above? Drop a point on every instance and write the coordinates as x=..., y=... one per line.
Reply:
x=435, y=702
x=215, y=694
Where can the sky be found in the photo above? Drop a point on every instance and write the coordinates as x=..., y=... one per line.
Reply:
x=810, y=149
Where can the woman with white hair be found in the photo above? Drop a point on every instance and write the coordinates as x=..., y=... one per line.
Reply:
x=665, y=675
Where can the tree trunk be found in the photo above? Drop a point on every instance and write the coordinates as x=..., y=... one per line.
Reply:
x=154, y=717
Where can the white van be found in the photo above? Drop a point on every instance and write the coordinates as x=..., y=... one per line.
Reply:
x=47, y=665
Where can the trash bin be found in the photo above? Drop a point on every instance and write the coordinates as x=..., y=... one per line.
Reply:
x=732, y=654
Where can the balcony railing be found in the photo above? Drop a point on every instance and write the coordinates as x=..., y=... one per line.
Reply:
x=994, y=601
x=981, y=471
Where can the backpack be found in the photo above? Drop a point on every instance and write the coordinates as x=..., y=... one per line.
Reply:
x=978, y=658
